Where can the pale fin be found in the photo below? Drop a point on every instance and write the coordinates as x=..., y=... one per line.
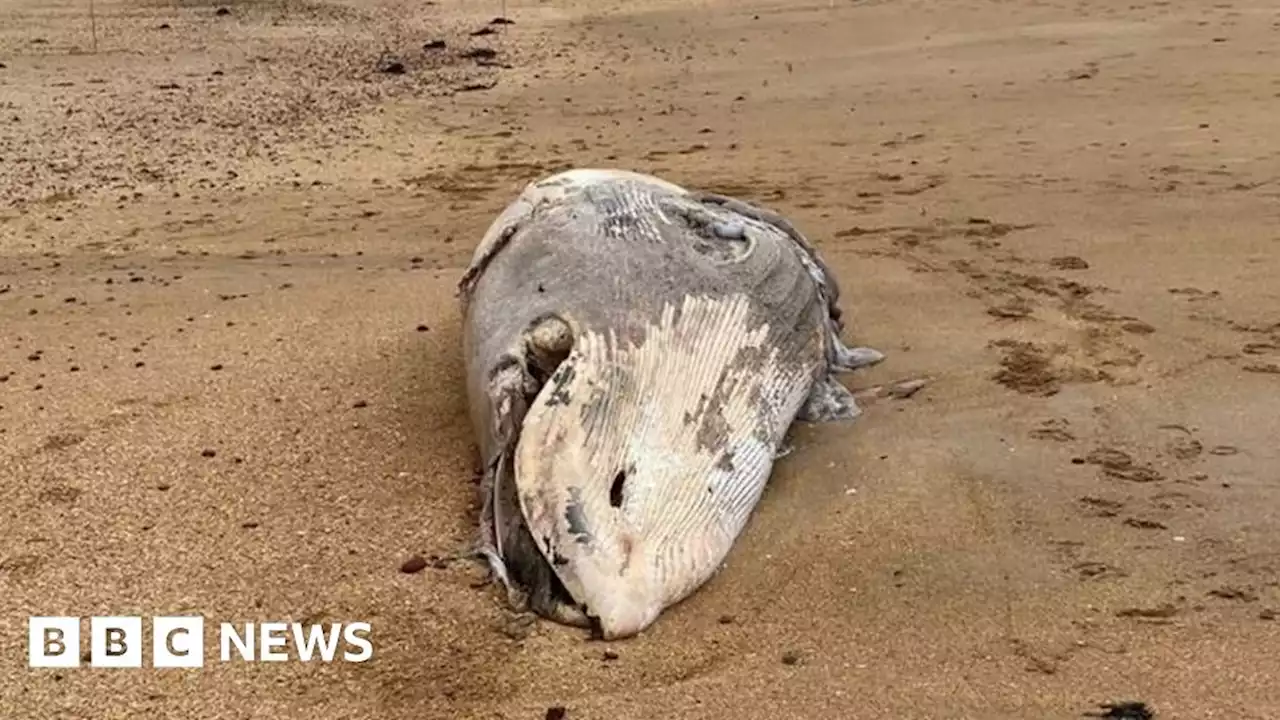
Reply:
x=847, y=358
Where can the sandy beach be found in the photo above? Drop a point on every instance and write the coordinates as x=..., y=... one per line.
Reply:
x=231, y=381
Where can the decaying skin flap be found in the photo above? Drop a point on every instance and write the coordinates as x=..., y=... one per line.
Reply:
x=505, y=541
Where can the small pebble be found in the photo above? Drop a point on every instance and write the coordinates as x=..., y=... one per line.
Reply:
x=415, y=564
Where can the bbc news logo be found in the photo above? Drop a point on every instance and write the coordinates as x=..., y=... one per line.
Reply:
x=178, y=642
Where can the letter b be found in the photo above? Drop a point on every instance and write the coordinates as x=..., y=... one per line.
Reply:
x=53, y=642
x=116, y=642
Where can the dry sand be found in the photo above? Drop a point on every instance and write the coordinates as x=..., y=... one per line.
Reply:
x=230, y=380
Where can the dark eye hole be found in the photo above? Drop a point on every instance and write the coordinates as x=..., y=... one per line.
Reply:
x=615, y=490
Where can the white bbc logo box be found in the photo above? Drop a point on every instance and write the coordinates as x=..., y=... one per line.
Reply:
x=115, y=642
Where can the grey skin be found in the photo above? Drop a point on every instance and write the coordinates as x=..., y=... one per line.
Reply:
x=636, y=353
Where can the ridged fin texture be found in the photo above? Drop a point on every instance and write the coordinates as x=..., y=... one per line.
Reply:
x=541, y=193
x=691, y=417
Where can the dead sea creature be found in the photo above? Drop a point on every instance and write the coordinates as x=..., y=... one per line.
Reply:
x=636, y=353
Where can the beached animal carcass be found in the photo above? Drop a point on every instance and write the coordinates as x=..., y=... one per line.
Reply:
x=635, y=355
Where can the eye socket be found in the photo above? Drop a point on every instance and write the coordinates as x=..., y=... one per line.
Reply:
x=615, y=490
